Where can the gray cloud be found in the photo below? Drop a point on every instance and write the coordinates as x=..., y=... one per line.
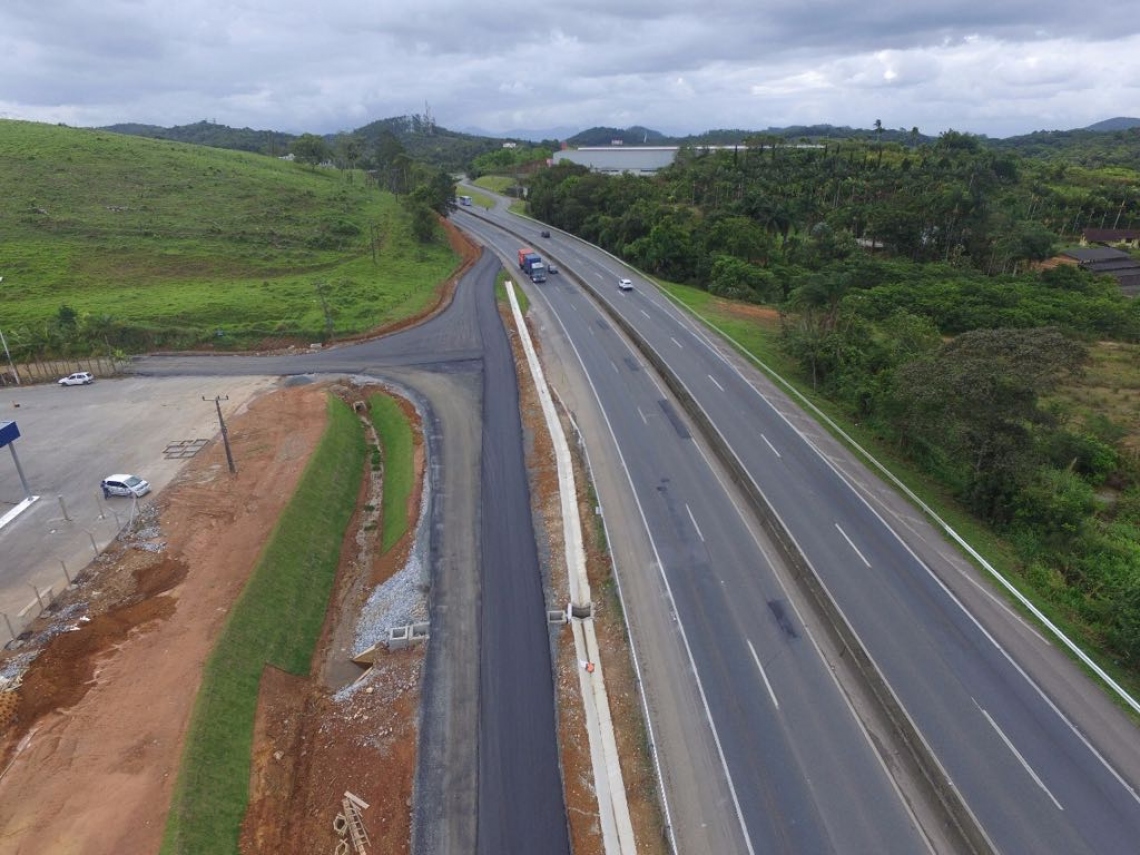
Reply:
x=995, y=68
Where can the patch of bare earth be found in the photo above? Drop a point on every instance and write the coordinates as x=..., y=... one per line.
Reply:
x=93, y=742
x=621, y=683
x=92, y=748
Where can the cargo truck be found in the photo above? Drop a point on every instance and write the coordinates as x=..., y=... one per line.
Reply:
x=527, y=256
x=537, y=272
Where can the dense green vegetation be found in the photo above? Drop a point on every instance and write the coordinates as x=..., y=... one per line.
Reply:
x=419, y=136
x=909, y=297
x=273, y=143
x=1092, y=149
x=397, y=455
x=117, y=242
x=276, y=622
x=509, y=160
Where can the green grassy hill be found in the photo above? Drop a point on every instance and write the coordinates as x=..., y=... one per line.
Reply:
x=152, y=243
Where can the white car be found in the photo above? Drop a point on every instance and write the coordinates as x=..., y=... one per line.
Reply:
x=124, y=485
x=625, y=284
x=79, y=378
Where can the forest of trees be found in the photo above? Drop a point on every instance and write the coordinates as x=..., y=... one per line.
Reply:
x=910, y=292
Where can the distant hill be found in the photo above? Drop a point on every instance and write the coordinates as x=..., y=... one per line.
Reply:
x=428, y=142
x=1086, y=147
x=1113, y=142
x=735, y=136
x=533, y=135
x=273, y=143
x=421, y=138
x=1120, y=123
x=636, y=135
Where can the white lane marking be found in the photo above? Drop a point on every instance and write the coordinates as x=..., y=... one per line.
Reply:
x=852, y=545
x=643, y=418
x=672, y=608
x=763, y=675
x=769, y=444
x=676, y=342
x=644, y=312
x=694, y=521
x=1017, y=754
x=613, y=365
x=715, y=383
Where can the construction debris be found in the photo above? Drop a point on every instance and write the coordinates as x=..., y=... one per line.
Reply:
x=350, y=827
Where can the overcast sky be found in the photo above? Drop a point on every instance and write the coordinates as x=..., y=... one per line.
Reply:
x=994, y=67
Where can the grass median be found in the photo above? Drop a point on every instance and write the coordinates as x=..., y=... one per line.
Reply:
x=397, y=443
x=276, y=621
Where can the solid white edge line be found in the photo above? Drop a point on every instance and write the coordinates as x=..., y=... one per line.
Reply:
x=1017, y=754
x=672, y=605
x=763, y=674
x=851, y=543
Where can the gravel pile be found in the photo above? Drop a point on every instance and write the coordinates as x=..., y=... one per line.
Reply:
x=398, y=602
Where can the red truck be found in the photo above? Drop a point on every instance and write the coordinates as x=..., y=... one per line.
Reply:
x=527, y=256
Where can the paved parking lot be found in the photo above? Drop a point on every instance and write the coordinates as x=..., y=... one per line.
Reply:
x=73, y=437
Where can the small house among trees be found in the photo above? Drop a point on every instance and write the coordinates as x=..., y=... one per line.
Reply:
x=1114, y=262
x=1111, y=237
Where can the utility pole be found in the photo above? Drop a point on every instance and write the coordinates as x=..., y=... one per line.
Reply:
x=217, y=399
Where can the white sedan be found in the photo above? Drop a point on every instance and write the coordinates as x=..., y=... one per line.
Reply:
x=79, y=378
x=124, y=485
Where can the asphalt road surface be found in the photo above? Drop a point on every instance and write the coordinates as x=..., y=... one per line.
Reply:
x=791, y=765
x=1044, y=760
x=488, y=778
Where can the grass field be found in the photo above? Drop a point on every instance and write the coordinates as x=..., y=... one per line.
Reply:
x=495, y=183
x=396, y=442
x=276, y=621
x=182, y=244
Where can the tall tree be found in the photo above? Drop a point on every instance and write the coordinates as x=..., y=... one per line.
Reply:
x=310, y=149
x=976, y=400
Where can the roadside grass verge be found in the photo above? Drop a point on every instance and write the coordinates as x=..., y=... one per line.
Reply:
x=276, y=621
x=397, y=445
x=495, y=183
x=482, y=199
x=501, y=292
x=156, y=244
x=755, y=331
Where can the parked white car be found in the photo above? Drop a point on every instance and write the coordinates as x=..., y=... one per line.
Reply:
x=625, y=284
x=79, y=378
x=124, y=485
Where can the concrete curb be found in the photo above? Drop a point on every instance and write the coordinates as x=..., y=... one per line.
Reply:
x=613, y=808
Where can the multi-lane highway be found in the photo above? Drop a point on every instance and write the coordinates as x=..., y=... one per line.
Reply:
x=797, y=772
x=1042, y=760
